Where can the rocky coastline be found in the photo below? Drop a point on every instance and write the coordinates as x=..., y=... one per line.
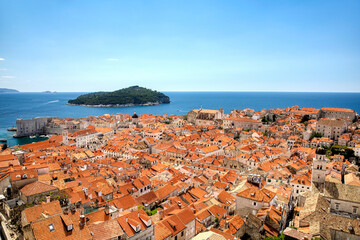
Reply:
x=118, y=105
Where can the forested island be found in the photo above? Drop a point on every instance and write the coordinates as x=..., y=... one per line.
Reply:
x=131, y=96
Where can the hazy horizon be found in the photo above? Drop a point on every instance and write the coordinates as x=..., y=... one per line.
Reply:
x=273, y=91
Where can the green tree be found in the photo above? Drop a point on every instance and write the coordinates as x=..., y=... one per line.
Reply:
x=4, y=146
x=281, y=237
x=305, y=118
x=316, y=134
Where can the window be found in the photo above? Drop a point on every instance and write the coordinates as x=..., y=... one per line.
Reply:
x=138, y=228
x=70, y=227
x=337, y=206
x=51, y=227
x=182, y=233
x=254, y=203
x=355, y=210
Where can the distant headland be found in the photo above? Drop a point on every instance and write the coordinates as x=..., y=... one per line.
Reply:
x=48, y=92
x=8, y=90
x=126, y=97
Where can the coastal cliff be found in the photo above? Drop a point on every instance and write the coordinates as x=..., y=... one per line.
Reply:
x=8, y=90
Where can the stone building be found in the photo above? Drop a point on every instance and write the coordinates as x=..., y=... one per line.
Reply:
x=331, y=128
x=344, y=199
x=237, y=122
x=31, y=127
x=336, y=113
x=205, y=116
x=137, y=225
x=60, y=226
x=317, y=216
x=36, y=190
x=299, y=185
x=21, y=178
x=357, y=150
x=318, y=168
x=251, y=200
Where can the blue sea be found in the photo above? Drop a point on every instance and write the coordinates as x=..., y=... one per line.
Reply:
x=30, y=105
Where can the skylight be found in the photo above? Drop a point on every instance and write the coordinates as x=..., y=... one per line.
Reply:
x=51, y=227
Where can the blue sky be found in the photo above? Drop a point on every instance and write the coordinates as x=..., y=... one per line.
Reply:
x=64, y=45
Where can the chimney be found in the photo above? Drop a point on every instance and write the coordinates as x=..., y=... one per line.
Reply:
x=82, y=218
x=47, y=199
x=66, y=210
x=226, y=224
x=343, y=174
x=161, y=214
x=107, y=209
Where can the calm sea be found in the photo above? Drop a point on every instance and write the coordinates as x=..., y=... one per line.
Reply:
x=30, y=105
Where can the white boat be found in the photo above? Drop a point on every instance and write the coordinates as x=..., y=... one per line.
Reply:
x=32, y=137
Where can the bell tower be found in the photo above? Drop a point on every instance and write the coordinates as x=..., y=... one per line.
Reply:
x=319, y=167
x=135, y=118
x=65, y=137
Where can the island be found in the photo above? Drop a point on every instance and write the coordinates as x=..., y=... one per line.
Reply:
x=8, y=90
x=126, y=97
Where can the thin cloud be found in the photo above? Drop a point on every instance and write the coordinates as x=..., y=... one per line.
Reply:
x=7, y=77
x=2, y=59
x=113, y=59
x=3, y=69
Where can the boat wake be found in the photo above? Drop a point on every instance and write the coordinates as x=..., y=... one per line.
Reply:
x=55, y=101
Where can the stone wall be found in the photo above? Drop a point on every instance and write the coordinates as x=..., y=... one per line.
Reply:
x=30, y=127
